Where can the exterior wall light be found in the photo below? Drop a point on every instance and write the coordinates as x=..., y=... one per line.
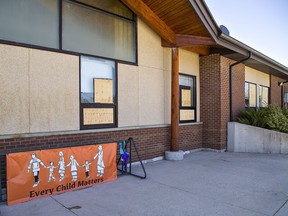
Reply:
x=282, y=91
x=281, y=83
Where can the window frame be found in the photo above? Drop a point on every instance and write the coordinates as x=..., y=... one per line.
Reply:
x=260, y=93
x=99, y=105
x=284, y=92
x=256, y=95
x=60, y=50
x=194, y=96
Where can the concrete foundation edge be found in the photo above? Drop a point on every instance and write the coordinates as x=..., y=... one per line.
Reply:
x=174, y=156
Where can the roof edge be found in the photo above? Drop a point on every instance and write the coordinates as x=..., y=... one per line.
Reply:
x=229, y=42
x=206, y=17
x=258, y=56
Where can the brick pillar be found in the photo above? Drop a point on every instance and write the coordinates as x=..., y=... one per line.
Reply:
x=214, y=98
x=275, y=90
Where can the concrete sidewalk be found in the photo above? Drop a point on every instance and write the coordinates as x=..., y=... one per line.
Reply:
x=204, y=183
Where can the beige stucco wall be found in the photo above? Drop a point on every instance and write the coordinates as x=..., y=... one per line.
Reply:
x=141, y=88
x=14, y=90
x=39, y=91
x=144, y=91
x=54, y=91
x=167, y=84
x=151, y=96
x=257, y=77
x=128, y=95
x=189, y=64
x=150, y=51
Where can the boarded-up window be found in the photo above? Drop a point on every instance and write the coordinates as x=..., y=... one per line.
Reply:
x=103, y=90
x=98, y=93
x=98, y=116
x=187, y=85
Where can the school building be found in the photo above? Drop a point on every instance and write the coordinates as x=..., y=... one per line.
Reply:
x=82, y=72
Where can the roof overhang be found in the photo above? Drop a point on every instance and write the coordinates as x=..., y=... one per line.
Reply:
x=176, y=23
x=191, y=26
x=234, y=49
x=258, y=60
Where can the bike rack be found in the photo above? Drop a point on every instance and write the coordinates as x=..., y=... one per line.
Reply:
x=127, y=144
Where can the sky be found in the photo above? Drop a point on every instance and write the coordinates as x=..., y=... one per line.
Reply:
x=260, y=24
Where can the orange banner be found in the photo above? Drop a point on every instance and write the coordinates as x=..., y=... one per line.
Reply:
x=35, y=174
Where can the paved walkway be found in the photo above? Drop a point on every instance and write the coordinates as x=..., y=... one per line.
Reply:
x=204, y=183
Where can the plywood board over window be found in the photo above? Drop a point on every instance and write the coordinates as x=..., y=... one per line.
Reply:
x=103, y=91
x=187, y=115
x=94, y=116
x=186, y=97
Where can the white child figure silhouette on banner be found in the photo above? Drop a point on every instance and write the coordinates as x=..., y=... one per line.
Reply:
x=35, y=163
x=74, y=172
x=86, y=165
x=61, y=165
x=51, y=170
x=100, y=162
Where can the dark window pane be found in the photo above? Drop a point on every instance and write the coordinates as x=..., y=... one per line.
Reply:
x=112, y=6
x=89, y=31
x=31, y=22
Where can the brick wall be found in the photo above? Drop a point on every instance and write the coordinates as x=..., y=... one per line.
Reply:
x=151, y=142
x=214, y=97
x=275, y=90
x=224, y=100
x=238, y=81
x=190, y=137
x=210, y=100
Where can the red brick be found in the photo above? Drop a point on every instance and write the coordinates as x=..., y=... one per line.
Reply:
x=214, y=98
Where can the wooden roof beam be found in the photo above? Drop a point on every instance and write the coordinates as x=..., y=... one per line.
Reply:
x=202, y=50
x=150, y=18
x=191, y=40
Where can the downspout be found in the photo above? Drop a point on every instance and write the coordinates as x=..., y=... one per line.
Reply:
x=282, y=95
x=230, y=81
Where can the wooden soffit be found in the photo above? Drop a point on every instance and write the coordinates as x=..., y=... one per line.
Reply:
x=151, y=18
x=176, y=22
